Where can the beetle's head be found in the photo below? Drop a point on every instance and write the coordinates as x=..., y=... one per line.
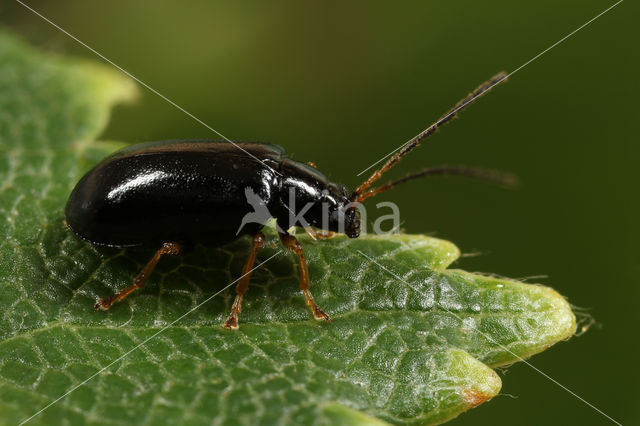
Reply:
x=343, y=215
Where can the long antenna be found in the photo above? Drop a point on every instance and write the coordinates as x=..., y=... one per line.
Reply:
x=500, y=178
x=413, y=143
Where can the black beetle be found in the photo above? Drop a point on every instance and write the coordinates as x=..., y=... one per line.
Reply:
x=165, y=195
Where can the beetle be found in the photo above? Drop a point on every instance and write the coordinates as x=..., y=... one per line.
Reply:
x=169, y=195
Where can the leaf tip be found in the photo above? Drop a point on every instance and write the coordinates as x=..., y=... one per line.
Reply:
x=564, y=319
x=482, y=391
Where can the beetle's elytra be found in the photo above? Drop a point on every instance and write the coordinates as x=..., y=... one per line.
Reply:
x=167, y=195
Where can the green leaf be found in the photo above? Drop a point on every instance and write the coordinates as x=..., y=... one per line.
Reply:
x=410, y=341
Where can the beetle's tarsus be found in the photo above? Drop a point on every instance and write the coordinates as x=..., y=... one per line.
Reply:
x=103, y=304
x=325, y=235
x=320, y=315
x=319, y=234
x=232, y=322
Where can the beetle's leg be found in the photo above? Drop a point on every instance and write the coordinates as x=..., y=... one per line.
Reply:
x=243, y=285
x=292, y=244
x=311, y=232
x=325, y=235
x=167, y=248
x=319, y=233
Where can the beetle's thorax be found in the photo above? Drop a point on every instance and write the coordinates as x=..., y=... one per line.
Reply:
x=306, y=197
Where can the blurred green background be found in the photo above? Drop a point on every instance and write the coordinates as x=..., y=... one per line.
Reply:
x=343, y=83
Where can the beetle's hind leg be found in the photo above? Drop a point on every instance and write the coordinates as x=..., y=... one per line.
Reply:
x=292, y=244
x=167, y=248
x=243, y=285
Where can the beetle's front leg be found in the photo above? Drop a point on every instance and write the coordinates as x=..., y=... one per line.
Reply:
x=319, y=234
x=292, y=244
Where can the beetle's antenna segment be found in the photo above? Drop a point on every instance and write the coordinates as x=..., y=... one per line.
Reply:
x=413, y=143
x=500, y=178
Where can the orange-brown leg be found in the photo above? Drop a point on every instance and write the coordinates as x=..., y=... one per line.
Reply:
x=292, y=244
x=167, y=248
x=325, y=235
x=319, y=234
x=243, y=285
